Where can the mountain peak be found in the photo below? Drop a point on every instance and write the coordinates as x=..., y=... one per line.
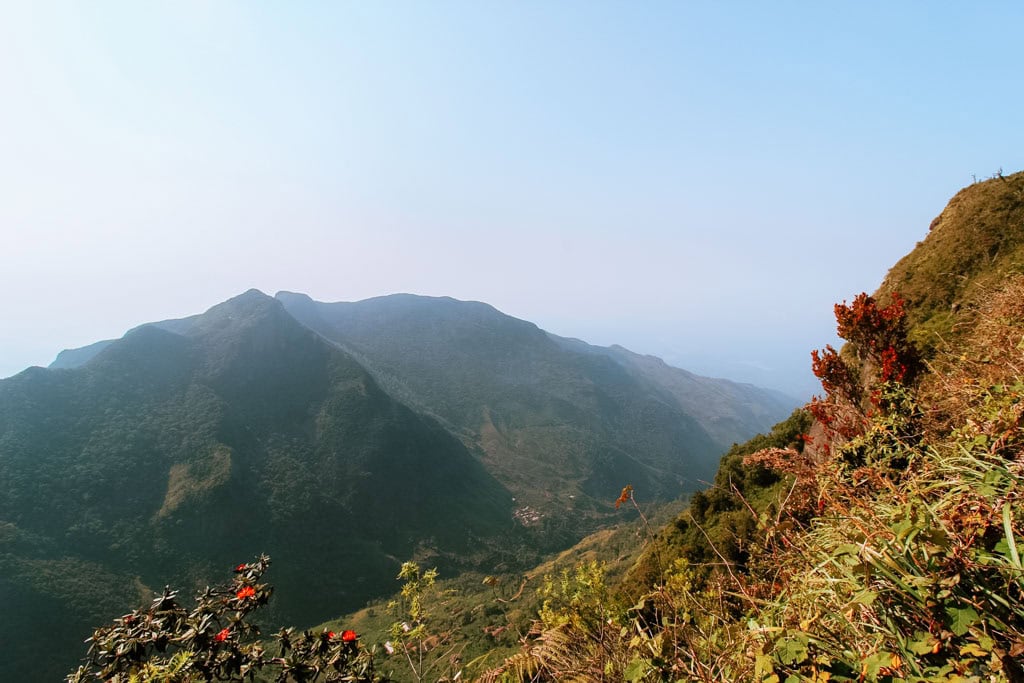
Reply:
x=249, y=305
x=979, y=236
x=250, y=297
x=286, y=297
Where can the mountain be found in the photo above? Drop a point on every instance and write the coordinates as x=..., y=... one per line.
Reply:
x=728, y=411
x=872, y=536
x=547, y=415
x=168, y=457
x=972, y=247
x=338, y=438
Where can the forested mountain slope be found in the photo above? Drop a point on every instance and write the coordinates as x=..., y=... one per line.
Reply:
x=169, y=456
x=546, y=414
x=343, y=437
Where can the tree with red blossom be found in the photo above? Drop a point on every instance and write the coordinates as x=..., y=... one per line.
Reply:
x=878, y=353
x=878, y=336
x=215, y=641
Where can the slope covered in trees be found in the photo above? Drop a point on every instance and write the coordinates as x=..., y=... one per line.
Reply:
x=418, y=428
x=545, y=414
x=170, y=455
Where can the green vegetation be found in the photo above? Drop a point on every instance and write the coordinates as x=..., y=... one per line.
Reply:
x=475, y=620
x=216, y=641
x=894, y=555
x=440, y=431
x=170, y=455
x=721, y=522
x=876, y=535
x=546, y=414
x=971, y=248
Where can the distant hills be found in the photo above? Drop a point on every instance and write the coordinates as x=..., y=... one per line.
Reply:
x=545, y=413
x=340, y=438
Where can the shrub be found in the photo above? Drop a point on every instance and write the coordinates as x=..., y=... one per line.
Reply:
x=215, y=641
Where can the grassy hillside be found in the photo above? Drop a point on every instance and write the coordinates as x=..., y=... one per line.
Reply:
x=879, y=540
x=483, y=618
x=971, y=248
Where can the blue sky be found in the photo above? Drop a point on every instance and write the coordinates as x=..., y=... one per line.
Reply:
x=700, y=181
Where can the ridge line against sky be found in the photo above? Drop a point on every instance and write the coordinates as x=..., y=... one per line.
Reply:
x=698, y=181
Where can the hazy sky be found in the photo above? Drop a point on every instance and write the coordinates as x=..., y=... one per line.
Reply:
x=700, y=181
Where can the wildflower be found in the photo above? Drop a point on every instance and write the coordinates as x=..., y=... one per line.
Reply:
x=222, y=635
x=389, y=648
x=241, y=568
x=330, y=635
x=624, y=497
x=348, y=636
x=245, y=592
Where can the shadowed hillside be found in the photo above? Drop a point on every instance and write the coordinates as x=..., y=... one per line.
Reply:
x=364, y=435
x=169, y=456
x=546, y=414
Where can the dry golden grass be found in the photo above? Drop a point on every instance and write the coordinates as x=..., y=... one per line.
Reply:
x=972, y=246
x=988, y=357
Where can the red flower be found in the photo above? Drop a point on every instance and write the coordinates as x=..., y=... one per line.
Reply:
x=348, y=636
x=240, y=568
x=330, y=634
x=222, y=636
x=246, y=592
x=624, y=497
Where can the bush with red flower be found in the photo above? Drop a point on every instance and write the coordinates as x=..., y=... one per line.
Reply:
x=878, y=359
x=215, y=641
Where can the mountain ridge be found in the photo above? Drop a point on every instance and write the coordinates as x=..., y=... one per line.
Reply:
x=384, y=324
x=401, y=427
x=169, y=454
x=452, y=358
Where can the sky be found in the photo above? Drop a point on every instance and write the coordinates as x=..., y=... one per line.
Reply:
x=700, y=181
